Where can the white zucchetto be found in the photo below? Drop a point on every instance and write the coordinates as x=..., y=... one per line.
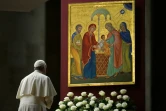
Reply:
x=39, y=63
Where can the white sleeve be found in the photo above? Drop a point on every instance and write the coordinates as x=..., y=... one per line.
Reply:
x=48, y=101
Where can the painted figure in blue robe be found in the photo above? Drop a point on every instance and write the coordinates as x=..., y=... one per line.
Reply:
x=126, y=47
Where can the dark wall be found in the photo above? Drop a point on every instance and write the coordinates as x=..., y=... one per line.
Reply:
x=158, y=59
x=22, y=42
x=53, y=45
x=24, y=38
x=137, y=91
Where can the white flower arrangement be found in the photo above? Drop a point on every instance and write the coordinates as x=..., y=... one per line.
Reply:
x=88, y=102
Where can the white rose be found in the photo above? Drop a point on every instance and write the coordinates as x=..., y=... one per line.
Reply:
x=123, y=91
x=66, y=99
x=124, y=104
x=101, y=105
x=70, y=103
x=109, y=105
x=70, y=94
x=105, y=107
x=92, y=102
x=110, y=101
x=84, y=102
x=57, y=110
x=102, y=93
x=96, y=109
x=119, y=97
x=61, y=102
x=83, y=94
x=125, y=97
x=93, y=98
x=75, y=97
x=79, y=104
x=123, y=110
x=80, y=98
x=107, y=98
x=90, y=94
x=113, y=93
x=62, y=106
x=87, y=106
x=73, y=108
x=116, y=109
x=118, y=105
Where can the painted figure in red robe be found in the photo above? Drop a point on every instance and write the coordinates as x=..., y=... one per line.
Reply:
x=89, y=44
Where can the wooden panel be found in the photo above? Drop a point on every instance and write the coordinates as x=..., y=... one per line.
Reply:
x=101, y=64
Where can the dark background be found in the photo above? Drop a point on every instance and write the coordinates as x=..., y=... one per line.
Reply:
x=53, y=37
x=158, y=55
x=24, y=38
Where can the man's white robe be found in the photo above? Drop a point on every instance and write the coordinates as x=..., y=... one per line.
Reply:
x=35, y=92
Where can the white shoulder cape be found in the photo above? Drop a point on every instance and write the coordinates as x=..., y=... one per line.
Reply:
x=36, y=84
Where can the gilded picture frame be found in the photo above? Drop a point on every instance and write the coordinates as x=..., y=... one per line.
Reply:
x=101, y=43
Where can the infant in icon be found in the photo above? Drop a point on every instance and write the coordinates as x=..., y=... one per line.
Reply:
x=104, y=46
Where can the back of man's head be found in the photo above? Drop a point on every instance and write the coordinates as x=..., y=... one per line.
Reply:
x=40, y=65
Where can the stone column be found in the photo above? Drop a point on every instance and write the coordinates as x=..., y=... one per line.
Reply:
x=148, y=55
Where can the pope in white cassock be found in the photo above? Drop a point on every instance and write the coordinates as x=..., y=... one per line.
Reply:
x=36, y=91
